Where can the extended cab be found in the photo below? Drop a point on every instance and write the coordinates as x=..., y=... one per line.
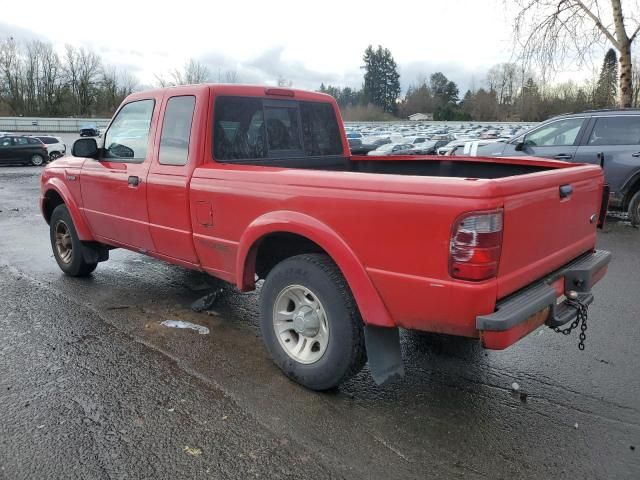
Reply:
x=249, y=183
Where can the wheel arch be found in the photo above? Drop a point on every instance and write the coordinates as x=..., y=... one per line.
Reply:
x=305, y=234
x=56, y=193
x=630, y=188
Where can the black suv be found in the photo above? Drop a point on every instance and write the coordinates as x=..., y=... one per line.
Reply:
x=19, y=149
x=581, y=137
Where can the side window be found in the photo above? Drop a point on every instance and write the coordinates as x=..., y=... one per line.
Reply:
x=320, y=129
x=128, y=135
x=239, y=131
x=33, y=141
x=21, y=141
x=621, y=130
x=556, y=134
x=5, y=141
x=176, y=131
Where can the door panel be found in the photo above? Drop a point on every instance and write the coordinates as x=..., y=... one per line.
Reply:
x=6, y=145
x=168, y=180
x=618, y=139
x=113, y=208
x=114, y=189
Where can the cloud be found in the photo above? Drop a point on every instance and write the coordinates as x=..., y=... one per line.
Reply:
x=264, y=67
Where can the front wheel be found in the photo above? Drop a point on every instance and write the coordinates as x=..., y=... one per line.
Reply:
x=634, y=210
x=67, y=247
x=310, y=322
x=54, y=155
x=36, y=160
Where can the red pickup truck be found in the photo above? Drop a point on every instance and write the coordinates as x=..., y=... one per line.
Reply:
x=249, y=183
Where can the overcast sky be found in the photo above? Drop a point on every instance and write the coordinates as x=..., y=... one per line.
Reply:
x=262, y=40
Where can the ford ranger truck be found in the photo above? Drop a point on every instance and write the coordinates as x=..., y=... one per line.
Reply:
x=251, y=183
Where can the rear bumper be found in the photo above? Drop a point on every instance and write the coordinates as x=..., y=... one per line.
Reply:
x=521, y=313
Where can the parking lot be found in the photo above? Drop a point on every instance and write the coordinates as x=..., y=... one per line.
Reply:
x=93, y=386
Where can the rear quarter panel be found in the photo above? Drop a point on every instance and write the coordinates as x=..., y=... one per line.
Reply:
x=397, y=227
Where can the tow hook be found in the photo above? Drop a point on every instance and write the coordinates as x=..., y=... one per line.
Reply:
x=573, y=300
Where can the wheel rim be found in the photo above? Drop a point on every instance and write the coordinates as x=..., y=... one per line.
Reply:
x=300, y=324
x=36, y=160
x=64, y=245
x=55, y=155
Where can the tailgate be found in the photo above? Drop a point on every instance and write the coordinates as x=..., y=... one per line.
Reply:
x=550, y=218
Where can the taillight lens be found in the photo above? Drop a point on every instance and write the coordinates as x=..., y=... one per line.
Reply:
x=476, y=243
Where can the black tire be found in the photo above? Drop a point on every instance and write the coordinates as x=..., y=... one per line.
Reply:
x=72, y=264
x=634, y=210
x=54, y=155
x=345, y=353
x=37, y=160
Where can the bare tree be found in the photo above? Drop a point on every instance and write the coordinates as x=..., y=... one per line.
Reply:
x=192, y=72
x=554, y=33
x=12, y=84
x=231, y=76
x=635, y=82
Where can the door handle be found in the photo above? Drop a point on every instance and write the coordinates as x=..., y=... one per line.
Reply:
x=637, y=154
x=133, y=181
x=563, y=156
x=565, y=191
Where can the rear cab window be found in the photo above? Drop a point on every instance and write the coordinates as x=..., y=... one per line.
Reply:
x=254, y=130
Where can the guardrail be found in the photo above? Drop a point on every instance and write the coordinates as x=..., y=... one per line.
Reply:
x=49, y=125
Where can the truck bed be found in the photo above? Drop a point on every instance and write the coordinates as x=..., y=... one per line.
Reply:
x=424, y=165
x=457, y=167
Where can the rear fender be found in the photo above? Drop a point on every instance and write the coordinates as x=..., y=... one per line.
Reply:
x=371, y=307
x=58, y=186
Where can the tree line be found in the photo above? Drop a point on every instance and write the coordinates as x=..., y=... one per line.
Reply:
x=37, y=81
x=508, y=92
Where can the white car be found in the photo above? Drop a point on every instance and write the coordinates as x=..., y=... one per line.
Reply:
x=55, y=146
x=390, y=149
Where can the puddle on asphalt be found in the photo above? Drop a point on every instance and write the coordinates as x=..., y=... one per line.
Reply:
x=182, y=324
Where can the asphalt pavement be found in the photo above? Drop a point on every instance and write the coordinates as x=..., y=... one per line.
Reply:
x=93, y=386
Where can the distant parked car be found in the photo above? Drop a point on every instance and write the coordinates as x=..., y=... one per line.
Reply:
x=390, y=149
x=365, y=147
x=89, y=130
x=21, y=149
x=430, y=147
x=55, y=145
x=354, y=135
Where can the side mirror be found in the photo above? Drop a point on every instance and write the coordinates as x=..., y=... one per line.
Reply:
x=519, y=146
x=85, y=147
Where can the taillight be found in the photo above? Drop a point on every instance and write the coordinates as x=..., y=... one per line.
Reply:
x=476, y=243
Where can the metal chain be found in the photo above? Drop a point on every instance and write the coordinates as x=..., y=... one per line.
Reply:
x=581, y=319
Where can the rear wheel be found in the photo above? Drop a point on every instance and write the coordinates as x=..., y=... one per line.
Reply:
x=37, y=160
x=67, y=247
x=634, y=210
x=310, y=322
x=54, y=155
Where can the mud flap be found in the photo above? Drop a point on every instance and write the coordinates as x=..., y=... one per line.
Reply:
x=94, y=252
x=383, y=352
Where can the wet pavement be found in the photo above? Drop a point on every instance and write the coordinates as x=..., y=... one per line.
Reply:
x=93, y=386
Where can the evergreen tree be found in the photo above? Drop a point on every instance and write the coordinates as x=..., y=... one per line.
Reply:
x=606, y=89
x=381, y=79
